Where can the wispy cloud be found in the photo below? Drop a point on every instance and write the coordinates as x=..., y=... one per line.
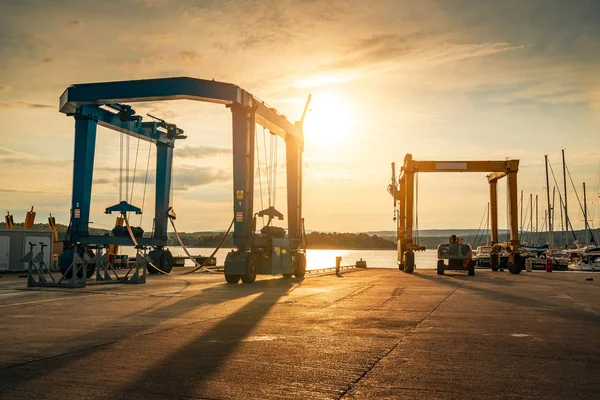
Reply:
x=201, y=151
x=28, y=191
x=383, y=53
x=23, y=104
x=186, y=178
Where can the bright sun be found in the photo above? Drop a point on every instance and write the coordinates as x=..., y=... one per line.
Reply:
x=328, y=121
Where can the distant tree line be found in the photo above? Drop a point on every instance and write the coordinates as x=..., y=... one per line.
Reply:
x=335, y=240
x=320, y=240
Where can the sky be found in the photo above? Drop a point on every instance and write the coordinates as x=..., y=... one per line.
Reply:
x=442, y=80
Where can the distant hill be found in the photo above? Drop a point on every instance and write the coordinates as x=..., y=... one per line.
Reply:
x=437, y=232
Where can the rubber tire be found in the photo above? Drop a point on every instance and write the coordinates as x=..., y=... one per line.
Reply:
x=300, y=267
x=514, y=269
x=155, y=257
x=410, y=263
x=166, y=261
x=287, y=275
x=401, y=267
x=250, y=275
x=471, y=268
x=440, y=267
x=163, y=259
x=495, y=257
x=232, y=278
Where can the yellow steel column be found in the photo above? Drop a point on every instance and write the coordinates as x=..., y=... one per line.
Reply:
x=402, y=216
x=494, y=211
x=410, y=194
x=513, y=211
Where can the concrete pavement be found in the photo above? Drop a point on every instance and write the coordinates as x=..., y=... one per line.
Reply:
x=367, y=334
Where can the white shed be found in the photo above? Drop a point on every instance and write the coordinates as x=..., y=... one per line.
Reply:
x=14, y=244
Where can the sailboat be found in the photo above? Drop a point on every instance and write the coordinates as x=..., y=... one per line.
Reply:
x=585, y=258
x=560, y=258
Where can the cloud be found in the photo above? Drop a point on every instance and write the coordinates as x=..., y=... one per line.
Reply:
x=190, y=57
x=383, y=53
x=23, y=104
x=186, y=178
x=44, y=192
x=201, y=151
x=103, y=181
x=12, y=156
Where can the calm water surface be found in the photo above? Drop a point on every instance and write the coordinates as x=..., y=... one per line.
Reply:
x=326, y=258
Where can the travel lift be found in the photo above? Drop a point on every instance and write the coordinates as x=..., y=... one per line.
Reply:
x=403, y=191
x=95, y=104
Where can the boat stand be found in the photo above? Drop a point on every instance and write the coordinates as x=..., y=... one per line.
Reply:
x=38, y=273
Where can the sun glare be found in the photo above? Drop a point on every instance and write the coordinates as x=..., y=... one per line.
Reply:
x=328, y=121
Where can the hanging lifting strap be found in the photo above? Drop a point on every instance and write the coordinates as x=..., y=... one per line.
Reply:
x=135, y=242
x=198, y=265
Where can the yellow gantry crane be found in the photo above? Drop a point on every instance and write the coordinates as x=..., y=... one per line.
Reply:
x=403, y=191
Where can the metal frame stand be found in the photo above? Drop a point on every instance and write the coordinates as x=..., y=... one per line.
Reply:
x=36, y=273
x=105, y=272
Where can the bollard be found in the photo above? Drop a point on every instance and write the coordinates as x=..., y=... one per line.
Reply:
x=338, y=262
x=528, y=264
x=548, y=264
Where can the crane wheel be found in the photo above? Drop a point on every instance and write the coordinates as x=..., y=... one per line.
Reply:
x=232, y=278
x=440, y=267
x=300, y=267
x=287, y=275
x=166, y=261
x=163, y=259
x=250, y=275
x=410, y=262
x=401, y=267
x=514, y=269
x=471, y=269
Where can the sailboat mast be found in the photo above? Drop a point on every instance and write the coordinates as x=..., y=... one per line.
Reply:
x=549, y=205
x=531, y=216
x=488, y=224
x=537, y=218
x=565, y=191
x=585, y=216
x=553, y=214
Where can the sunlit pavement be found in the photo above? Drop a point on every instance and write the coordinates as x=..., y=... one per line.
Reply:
x=367, y=334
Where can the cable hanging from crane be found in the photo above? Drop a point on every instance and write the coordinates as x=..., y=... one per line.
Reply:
x=145, y=183
x=198, y=265
x=259, y=172
x=417, y=207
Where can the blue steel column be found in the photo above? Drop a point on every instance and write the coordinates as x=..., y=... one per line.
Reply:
x=243, y=174
x=164, y=165
x=293, y=150
x=83, y=171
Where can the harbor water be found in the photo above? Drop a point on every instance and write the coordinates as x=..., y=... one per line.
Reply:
x=317, y=259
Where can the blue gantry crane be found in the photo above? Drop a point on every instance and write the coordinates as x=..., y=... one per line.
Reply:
x=105, y=104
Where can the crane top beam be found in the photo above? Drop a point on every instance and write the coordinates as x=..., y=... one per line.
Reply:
x=497, y=168
x=179, y=88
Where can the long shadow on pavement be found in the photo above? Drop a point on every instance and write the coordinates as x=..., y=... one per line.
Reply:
x=193, y=364
x=18, y=376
